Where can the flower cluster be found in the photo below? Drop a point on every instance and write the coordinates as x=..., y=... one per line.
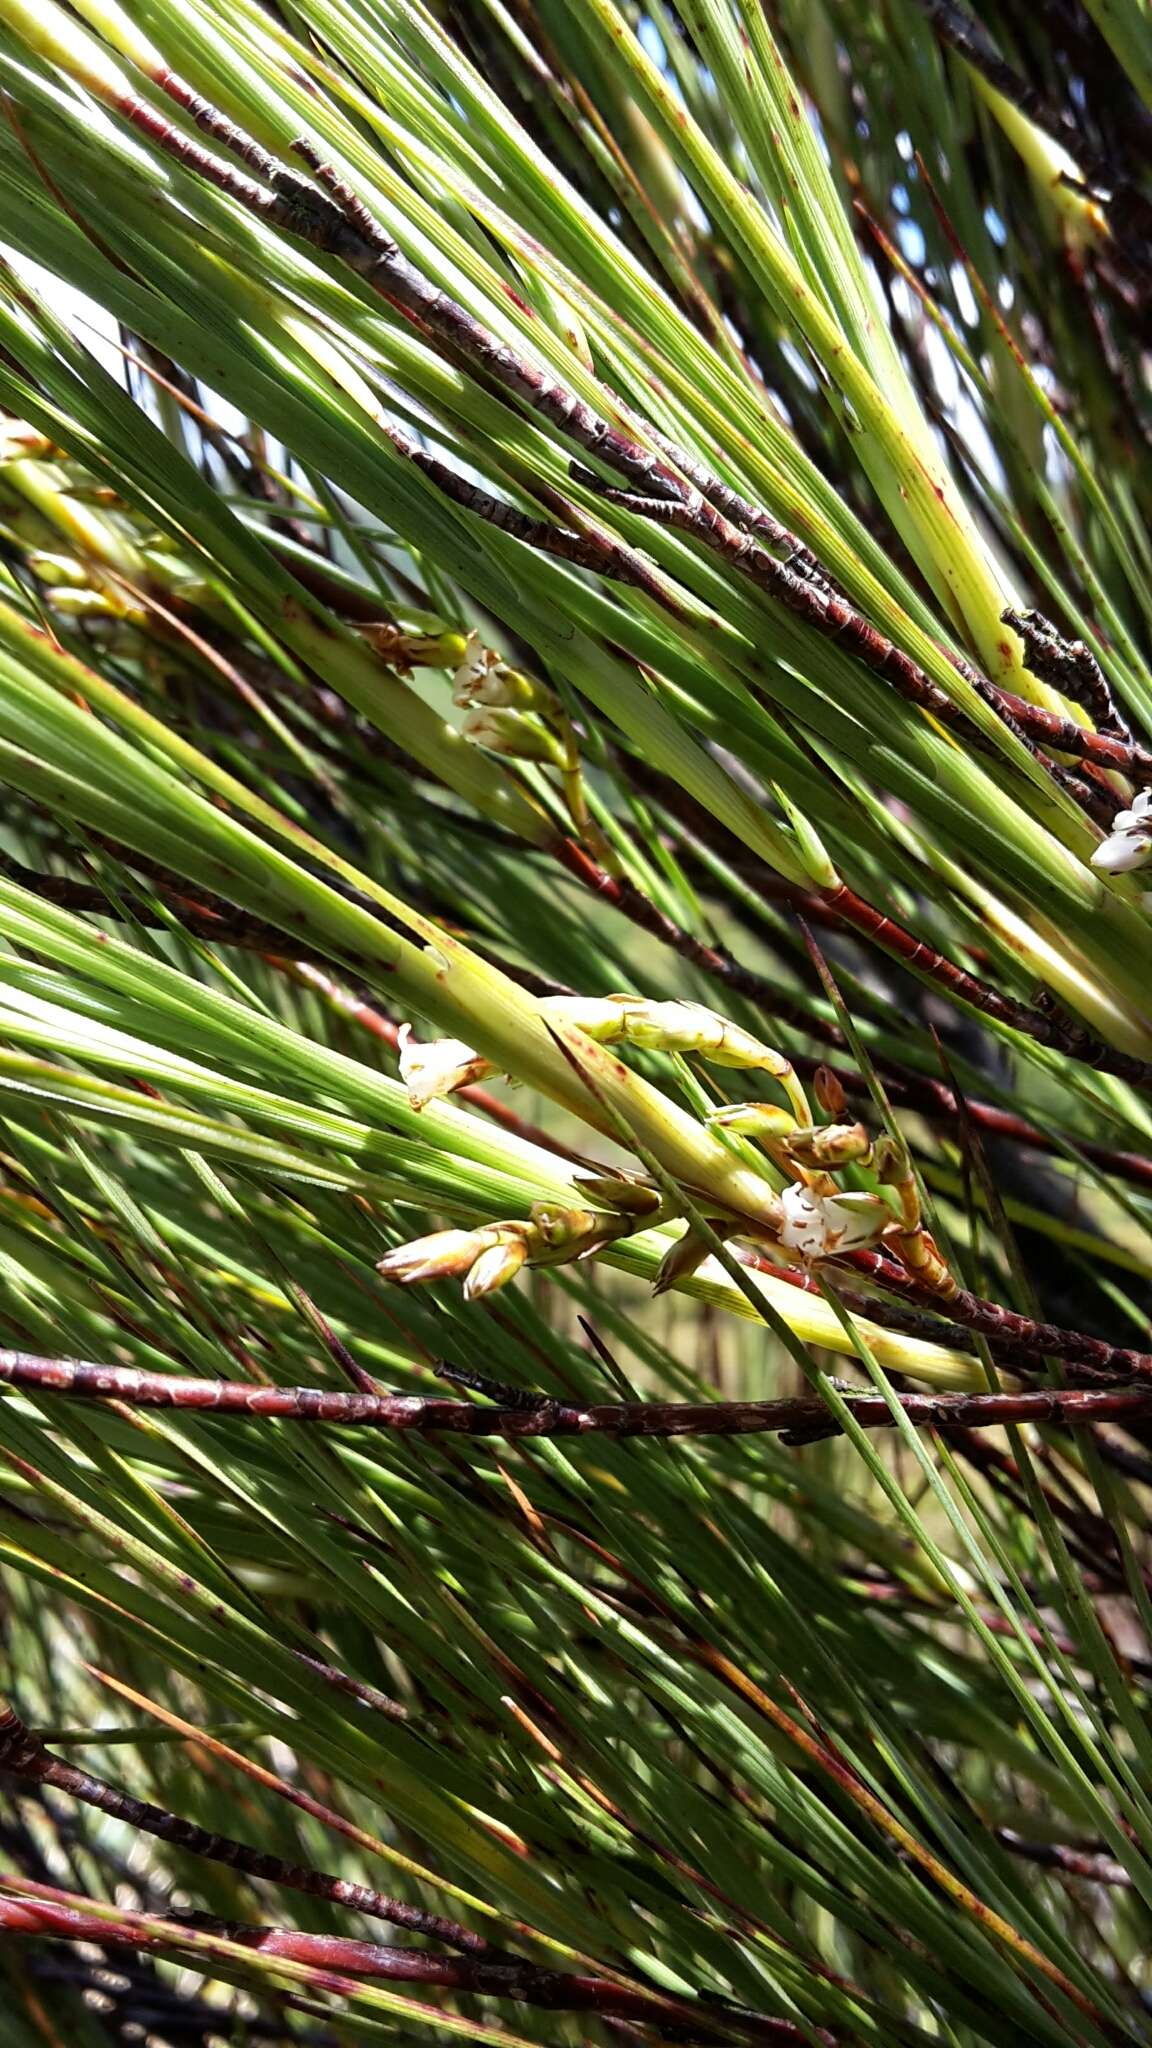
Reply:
x=816, y=1218
x=507, y=712
x=1129, y=844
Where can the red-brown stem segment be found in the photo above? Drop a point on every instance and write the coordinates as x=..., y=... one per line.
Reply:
x=797, y=1419
x=831, y=615
x=1062, y=1033
x=1070, y=667
x=1088, y=1864
x=338, y=224
x=343, y=1964
x=25, y=1756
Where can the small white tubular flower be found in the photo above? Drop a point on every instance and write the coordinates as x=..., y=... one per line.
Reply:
x=438, y=1067
x=820, y=1226
x=498, y=686
x=472, y=670
x=1129, y=843
x=1122, y=851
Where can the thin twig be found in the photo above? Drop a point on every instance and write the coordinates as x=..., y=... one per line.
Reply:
x=24, y=1755
x=43, y=1910
x=800, y=1419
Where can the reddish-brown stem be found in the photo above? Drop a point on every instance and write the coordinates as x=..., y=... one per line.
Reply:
x=1091, y=1356
x=338, y=224
x=42, y=1910
x=1065, y=736
x=639, y=909
x=25, y=1756
x=1062, y=1033
x=606, y=556
x=830, y=614
x=1070, y=667
x=856, y=914
x=798, y=1419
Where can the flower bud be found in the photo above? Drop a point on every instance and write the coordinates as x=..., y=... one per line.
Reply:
x=680, y=1261
x=521, y=735
x=495, y=1267
x=828, y=1089
x=830, y=1145
x=628, y=1197
x=58, y=570
x=444, y=1255
x=557, y=1227
x=404, y=651
x=507, y=686
x=892, y=1162
x=562, y=1234
x=754, y=1119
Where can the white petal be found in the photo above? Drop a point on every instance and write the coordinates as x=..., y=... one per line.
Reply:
x=804, y=1229
x=474, y=666
x=1122, y=852
x=855, y=1219
x=819, y=1226
x=436, y=1068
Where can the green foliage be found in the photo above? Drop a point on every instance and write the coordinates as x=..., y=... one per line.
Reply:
x=584, y=571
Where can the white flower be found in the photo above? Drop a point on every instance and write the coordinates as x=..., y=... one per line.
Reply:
x=478, y=663
x=438, y=1067
x=1122, y=851
x=1130, y=840
x=820, y=1226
